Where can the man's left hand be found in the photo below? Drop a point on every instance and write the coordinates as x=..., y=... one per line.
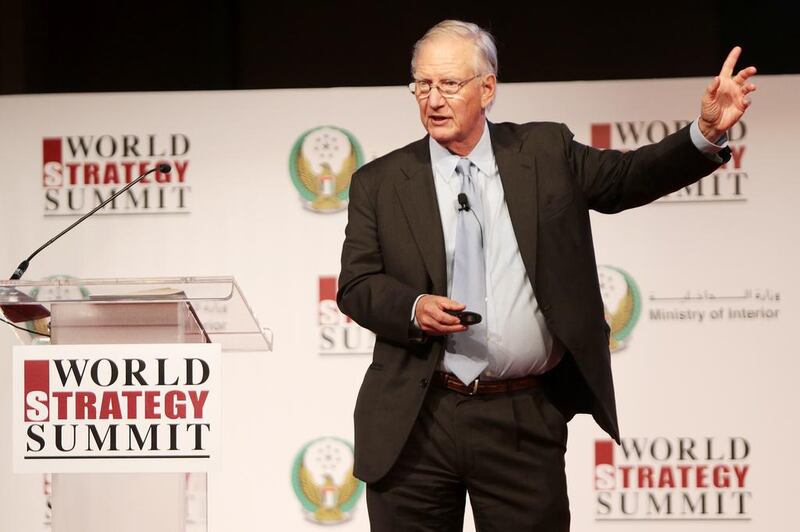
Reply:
x=725, y=100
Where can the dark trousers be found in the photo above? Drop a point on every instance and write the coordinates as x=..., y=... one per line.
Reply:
x=506, y=450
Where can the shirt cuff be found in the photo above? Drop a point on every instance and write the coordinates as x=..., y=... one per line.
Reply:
x=413, y=319
x=703, y=144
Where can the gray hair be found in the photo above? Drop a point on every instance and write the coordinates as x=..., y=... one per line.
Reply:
x=482, y=40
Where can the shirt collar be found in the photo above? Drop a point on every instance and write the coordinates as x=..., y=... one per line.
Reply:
x=481, y=156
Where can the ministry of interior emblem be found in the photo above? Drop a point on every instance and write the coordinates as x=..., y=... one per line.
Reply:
x=622, y=304
x=322, y=477
x=321, y=163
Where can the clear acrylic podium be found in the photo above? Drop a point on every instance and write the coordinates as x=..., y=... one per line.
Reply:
x=132, y=311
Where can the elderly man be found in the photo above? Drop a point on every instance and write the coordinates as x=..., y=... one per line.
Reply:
x=491, y=219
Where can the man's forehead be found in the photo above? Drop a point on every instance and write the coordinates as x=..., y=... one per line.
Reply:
x=445, y=56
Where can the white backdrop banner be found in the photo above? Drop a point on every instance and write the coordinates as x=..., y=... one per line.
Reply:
x=700, y=287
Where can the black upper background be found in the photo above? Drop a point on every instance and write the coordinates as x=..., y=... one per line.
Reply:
x=115, y=45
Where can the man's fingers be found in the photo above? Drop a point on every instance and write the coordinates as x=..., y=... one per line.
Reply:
x=711, y=90
x=445, y=318
x=433, y=318
x=747, y=89
x=744, y=74
x=449, y=304
x=443, y=330
x=431, y=326
x=730, y=62
x=440, y=313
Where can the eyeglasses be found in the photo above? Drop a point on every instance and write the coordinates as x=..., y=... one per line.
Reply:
x=421, y=88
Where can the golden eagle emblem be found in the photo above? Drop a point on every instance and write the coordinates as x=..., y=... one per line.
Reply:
x=322, y=163
x=619, y=319
x=323, y=480
x=328, y=497
x=621, y=304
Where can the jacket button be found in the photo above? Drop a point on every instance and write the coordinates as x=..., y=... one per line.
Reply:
x=423, y=383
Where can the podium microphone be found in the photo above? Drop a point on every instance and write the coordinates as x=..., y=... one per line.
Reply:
x=33, y=311
x=23, y=266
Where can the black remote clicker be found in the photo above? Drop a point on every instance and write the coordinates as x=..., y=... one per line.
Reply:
x=467, y=317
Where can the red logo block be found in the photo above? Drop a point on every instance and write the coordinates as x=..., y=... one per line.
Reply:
x=327, y=288
x=52, y=163
x=601, y=136
x=604, y=472
x=37, y=390
x=329, y=313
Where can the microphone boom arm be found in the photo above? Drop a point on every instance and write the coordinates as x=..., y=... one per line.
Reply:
x=23, y=266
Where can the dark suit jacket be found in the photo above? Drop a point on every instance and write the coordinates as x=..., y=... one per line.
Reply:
x=394, y=251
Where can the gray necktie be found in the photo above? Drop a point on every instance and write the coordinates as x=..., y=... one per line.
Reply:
x=466, y=353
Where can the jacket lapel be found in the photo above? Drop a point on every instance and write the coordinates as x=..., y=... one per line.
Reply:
x=417, y=194
x=518, y=175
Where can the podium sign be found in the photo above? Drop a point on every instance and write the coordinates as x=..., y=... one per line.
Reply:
x=116, y=408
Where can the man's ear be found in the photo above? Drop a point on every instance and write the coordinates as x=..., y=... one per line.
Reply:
x=488, y=88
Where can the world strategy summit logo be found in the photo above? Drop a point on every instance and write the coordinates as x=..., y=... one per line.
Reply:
x=668, y=477
x=79, y=172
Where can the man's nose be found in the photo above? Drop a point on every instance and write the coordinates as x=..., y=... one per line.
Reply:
x=435, y=98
